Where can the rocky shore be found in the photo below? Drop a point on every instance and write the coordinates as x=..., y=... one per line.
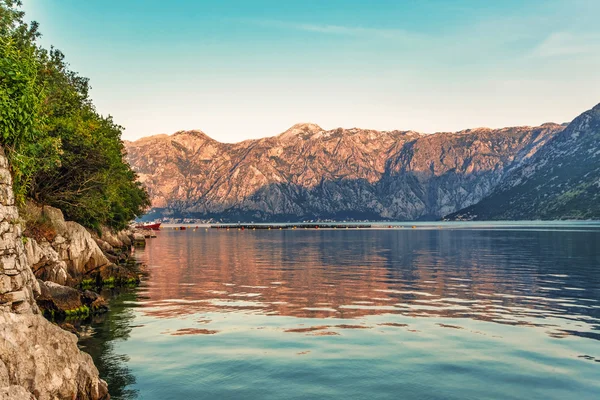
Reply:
x=52, y=267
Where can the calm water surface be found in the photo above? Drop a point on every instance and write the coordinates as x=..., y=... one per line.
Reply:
x=472, y=313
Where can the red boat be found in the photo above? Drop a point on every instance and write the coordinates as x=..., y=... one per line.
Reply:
x=149, y=227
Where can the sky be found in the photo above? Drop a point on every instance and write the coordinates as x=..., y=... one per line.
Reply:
x=241, y=69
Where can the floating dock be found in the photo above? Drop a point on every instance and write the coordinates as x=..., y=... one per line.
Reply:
x=290, y=226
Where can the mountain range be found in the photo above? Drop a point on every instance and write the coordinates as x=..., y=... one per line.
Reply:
x=549, y=171
x=561, y=181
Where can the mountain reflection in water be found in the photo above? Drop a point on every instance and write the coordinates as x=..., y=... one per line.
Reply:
x=519, y=278
x=351, y=288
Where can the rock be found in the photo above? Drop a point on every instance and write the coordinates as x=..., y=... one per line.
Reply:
x=46, y=262
x=44, y=359
x=124, y=238
x=57, y=297
x=75, y=254
x=74, y=245
x=105, y=246
x=56, y=218
x=139, y=239
x=15, y=392
x=61, y=301
x=111, y=238
x=94, y=301
x=82, y=254
x=112, y=274
x=38, y=360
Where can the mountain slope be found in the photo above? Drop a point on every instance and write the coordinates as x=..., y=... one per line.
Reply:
x=561, y=181
x=307, y=172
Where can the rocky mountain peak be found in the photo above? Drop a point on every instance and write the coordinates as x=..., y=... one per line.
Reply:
x=303, y=130
x=194, y=133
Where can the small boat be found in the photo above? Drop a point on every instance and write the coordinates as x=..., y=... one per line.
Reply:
x=149, y=226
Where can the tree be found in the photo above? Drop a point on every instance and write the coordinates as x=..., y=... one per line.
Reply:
x=62, y=152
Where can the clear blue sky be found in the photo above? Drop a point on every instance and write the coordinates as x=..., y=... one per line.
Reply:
x=240, y=69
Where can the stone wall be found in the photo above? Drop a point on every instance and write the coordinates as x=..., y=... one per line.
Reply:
x=17, y=282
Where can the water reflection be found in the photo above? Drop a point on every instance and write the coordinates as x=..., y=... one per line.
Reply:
x=108, y=330
x=539, y=278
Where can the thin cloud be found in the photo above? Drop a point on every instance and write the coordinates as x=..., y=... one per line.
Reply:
x=568, y=44
x=341, y=30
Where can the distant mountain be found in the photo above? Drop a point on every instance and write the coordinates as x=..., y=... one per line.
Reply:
x=561, y=181
x=308, y=173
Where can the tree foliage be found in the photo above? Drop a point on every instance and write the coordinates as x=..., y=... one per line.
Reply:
x=62, y=151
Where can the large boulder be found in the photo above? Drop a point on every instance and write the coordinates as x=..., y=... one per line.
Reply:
x=45, y=262
x=74, y=245
x=45, y=360
x=57, y=297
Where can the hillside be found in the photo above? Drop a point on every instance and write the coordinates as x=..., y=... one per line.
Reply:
x=561, y=181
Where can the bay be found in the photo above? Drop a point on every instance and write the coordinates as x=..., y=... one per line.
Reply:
x=421, y=311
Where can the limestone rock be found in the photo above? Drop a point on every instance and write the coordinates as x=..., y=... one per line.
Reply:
x=15, y=392
x=114, y=274
x=74, y=245
x=58, y=297
x=124, y=238
x=111, y=238
x=46, y=262
x=44, y=360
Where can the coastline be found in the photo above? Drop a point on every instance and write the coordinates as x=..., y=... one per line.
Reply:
x=47, y=279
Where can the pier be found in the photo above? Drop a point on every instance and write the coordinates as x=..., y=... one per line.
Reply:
x=290, y=226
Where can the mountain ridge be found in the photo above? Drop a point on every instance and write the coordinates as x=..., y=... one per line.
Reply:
x=303, y=124
x=562, y=180
x=307, y=172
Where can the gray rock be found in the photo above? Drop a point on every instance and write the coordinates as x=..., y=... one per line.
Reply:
x=45, y=360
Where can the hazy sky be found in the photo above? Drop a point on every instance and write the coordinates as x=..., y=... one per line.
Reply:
x=240, y=69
